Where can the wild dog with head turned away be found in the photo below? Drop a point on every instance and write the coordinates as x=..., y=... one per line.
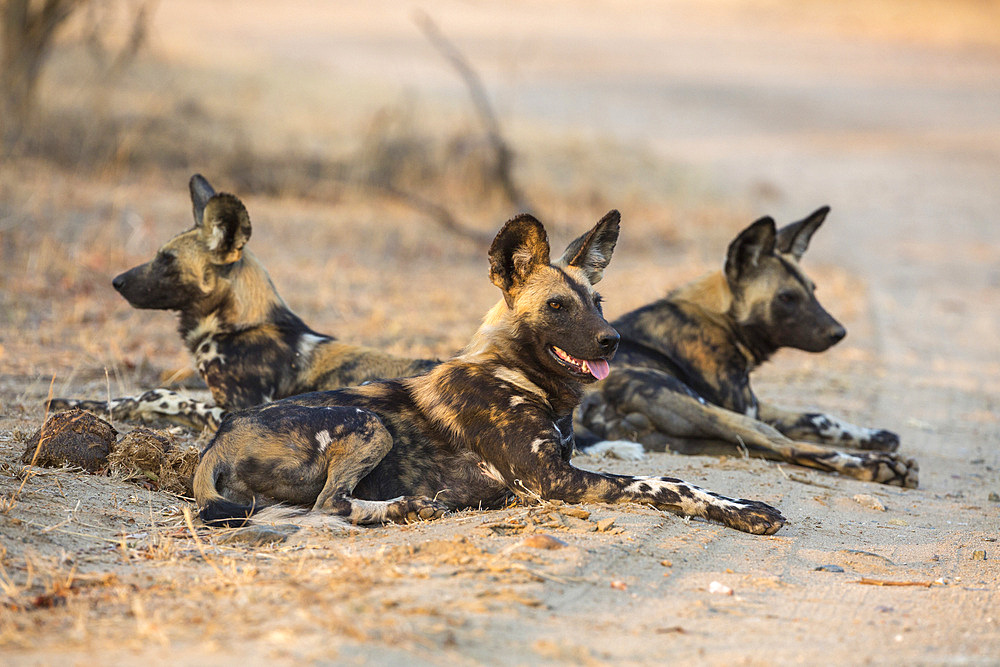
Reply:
x=248, y=346
x=491, y=423
x=682, y=379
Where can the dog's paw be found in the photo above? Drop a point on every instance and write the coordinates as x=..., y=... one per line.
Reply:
x=617, y=449
x=411, y=509
x=889, y=468
x=756, y=517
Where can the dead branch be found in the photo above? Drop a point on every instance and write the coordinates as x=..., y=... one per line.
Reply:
x=437, y=212
x=504, y=157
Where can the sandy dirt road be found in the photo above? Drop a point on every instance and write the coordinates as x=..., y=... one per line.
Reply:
x=770, y=114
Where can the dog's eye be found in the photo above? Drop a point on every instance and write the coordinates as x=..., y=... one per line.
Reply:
x=555, y=304
x=788, y=298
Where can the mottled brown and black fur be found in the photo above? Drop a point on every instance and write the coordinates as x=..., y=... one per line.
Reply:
x=248, y=345
x=682, y=378
x=491, y=423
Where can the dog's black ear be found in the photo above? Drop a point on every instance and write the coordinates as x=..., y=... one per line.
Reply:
x=519, y=249
x=747, y=249
x=592, y=251
x=201, y=192
x=794, y=238
x=225, y=228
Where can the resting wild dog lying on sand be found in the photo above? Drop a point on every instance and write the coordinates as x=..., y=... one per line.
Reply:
x=476, y=430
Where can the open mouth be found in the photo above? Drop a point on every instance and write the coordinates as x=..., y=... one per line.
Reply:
x=599, y=368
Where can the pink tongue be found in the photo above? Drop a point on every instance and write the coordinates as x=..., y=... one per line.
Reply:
x=599, y=368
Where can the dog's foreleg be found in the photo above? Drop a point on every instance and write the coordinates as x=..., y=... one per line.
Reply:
x=758, y=437
x=154, y=406
x=826, y=429
x=570, y=484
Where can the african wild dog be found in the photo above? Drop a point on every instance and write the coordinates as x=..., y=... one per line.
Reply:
x=249, y=347
x=682, y=379
x=493, y=422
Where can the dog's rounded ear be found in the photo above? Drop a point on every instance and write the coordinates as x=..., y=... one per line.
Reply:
x=520, y=248
x=592, y=251
x=794, y=238
x=747, y=249
x=225, y=228
x=201, y=191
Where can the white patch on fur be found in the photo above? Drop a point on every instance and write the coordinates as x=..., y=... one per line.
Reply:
x=216, y=238
x=489, y=470
x=207, y=353
x=370, y=511
x=625, y=450
x=518, y=379
x=208, y=326
x=324, y=440
x=537, y=444
x=516, y=401
x=308, y=343
x=700, y=495
x=832, y=428
x=563, y=439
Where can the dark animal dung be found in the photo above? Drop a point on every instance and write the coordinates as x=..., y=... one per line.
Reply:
x=74, y=438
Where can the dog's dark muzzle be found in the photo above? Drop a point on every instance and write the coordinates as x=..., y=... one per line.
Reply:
x=608, y=343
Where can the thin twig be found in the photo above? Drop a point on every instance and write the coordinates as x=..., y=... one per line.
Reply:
x=197, y=541
x=38, y=447
x=884, y=582
x=437, y=212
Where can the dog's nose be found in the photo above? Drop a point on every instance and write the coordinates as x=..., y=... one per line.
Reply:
x=608, y=343
x=837, y=334
x=118, y=282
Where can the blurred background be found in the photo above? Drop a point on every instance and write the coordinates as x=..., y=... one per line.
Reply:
x=379, y=145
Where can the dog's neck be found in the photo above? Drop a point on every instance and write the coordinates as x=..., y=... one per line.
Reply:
x=487, y=347
x=712, y=295
x=245, y=302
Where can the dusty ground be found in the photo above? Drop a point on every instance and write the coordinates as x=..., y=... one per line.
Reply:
x=690, y=118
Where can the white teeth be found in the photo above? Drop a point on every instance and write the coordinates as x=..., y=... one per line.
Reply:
x=582, y=365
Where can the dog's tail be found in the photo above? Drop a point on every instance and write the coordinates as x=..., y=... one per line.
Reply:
x=215, y=509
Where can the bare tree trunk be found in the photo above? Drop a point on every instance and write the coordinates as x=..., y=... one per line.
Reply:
x=27, y=29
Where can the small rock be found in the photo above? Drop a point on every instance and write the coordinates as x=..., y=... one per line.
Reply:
x=719, y=589
x=829, y=568
x=666, y=563
x=869, y=501
x=994, y=497
x=979, y=554
x=577, y=512
x=604, y=525
x=619, y=585
x=543, y=541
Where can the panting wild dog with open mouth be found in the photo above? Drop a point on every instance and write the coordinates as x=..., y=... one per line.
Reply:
x=248, y=346
x=682, y=376
x=476, y=430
